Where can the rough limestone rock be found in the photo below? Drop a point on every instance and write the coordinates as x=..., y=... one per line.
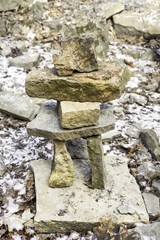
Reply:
x=77, y=148
x=152, y=205
x=12, y=4
x=16, y=105
x=76, y=114
x=148, y=231
x=150, y=140
x=111, y=135
x=145, y=23
x=47, y=124
x=79, y=207
x=95, y=151
x=148, y=171
x=27, y=61
x=3, y=31
x=156, y=186
x=77, y=54
x=110, y=9
x=100, y=86
x=62, y=167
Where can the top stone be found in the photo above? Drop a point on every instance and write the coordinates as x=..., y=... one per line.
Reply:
x=77, y=54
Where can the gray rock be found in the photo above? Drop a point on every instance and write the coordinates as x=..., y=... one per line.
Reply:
x=109, y=136
x=37, y=10
x=21, y=107
x=95, y=151
x=141, y=100
x=150, y=140
x=7, y=50
x=156, y=153
x=10, y=4
x=138, y=23
x=132, y=132
x=3, y=30
x=54, y=25
x=156, y=186
x=148, y=231
x=47, y=124
x=148, y=171
x=77, y=148
x=27, y=61
x=134, y=54
x=79, y=207
x=126, y=209
x=148, y=54
x=62, y=167
x=3, y=169
x=152, y=205
x=77, y=54
x=108, y=10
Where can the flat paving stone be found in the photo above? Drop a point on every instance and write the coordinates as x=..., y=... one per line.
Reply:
x=79, y=207
x=47, y=124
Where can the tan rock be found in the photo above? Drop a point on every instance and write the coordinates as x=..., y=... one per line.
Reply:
x=76, y=114
x=62, y=167
x=78, y=54
x=100, y=86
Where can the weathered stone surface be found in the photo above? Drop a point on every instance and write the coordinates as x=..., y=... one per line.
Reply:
x=151, y=142
x=148, y=231
x=152, y=205
x=62, y=167
x=19, y=106
x=100, y=86
x=109, y=136
x=77, y=148
x=95, y=151
x=79, y=207
x=76, y=114
x=145, y=23
x=148, y=171
x=110, y=9
x=156, y=186
x=12, y=4
x=28, y=60
x=14, y=48
x=3, y=169
x=47, y=124
x=77, y=54
x=3, y=31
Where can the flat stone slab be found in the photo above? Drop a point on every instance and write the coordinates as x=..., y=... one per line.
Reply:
x=145, y=23
x=76, y=114
x=47, y=124
x=80, y=208
x=98, y=86
x=16, y=105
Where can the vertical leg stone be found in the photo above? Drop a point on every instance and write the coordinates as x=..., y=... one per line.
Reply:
x=95, y=151
x=62, y=167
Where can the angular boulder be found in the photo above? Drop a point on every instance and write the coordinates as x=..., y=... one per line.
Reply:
x=100, y=86
x=145, y=23
x=77, y=54
x=75, y=114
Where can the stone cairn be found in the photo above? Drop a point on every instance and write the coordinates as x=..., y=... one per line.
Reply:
x=79, y=85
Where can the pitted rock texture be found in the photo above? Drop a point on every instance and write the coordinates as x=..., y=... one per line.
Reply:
x=77, y=54
x=76, y=114
x=62, y=167
x=99, y=86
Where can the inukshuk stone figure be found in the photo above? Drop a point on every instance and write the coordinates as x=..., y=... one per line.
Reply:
x=79, y=85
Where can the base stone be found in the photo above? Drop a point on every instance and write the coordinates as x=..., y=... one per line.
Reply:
x=79, y=207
